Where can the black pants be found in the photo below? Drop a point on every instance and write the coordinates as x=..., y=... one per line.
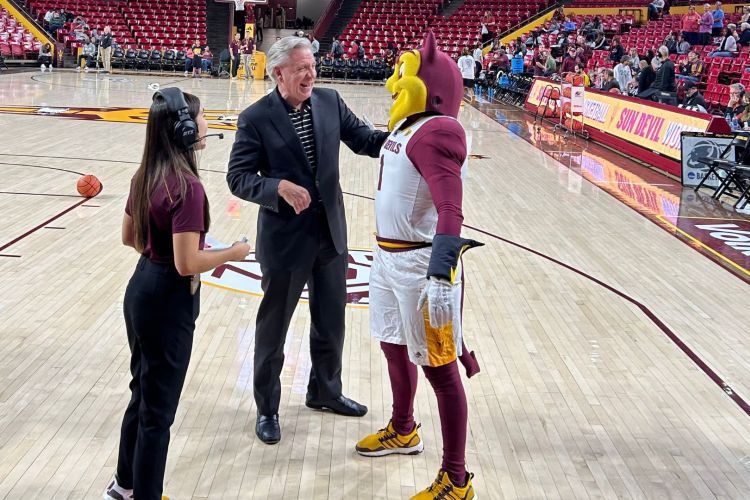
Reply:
x=259, y=31
x=160, y=316
x=235, y=65
x=326, y=281
x=88, y=59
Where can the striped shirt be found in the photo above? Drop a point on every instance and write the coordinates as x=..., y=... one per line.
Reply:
x=302, y=121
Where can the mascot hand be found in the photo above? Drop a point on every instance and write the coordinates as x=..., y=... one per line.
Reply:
x=438, y=296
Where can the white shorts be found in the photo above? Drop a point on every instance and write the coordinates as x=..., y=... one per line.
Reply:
x=396, y=282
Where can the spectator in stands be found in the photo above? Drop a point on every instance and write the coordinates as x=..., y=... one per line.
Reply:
x=693, y=70
x=599, y=42
x=608, y=80
x=736, y=112
x=45, y=58
x=196, y=51
x=353, y=51
x=559, y=15
x=635, y=61
x=670, y=42
x=646, y=76
x=207, y=60
x=623, y=74
x=683, y=46
x=579, y=70
x=569, y=26
x=477, y=55
x=80, y=34
x=718, y=24
x=88, y=53
x=487, y=27
x=105, y=49
x=690, y=24
x=706, y=25
x=744, y=39
x=727, y=45
x=234, y=53
x=520, y=48
x=540, y=63
x=745, y=14
x=247, y=49
x=616, y=51
x=466, y=66
x=57, y=22
x=69, y=16
x=693, y=99
x=654, y=9
x=569, y=61
x=48, y=17
x=553, y=27
x=315, y=44
x=390, y=58
x=280, y=18
x=337, y=49
x=665, y=76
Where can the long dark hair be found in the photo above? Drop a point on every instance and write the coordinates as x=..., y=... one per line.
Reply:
x=162, y=157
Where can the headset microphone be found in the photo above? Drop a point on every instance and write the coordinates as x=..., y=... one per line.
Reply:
x=220, y=136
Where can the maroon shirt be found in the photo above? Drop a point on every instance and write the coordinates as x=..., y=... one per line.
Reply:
x=169, y=214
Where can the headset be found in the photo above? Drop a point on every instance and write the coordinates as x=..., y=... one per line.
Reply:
x=742, y=90
x=185, y=130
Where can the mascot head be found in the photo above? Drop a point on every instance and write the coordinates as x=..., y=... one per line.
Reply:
x=425, y=80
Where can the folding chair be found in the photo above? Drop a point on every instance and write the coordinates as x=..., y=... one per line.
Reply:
x=736, y=154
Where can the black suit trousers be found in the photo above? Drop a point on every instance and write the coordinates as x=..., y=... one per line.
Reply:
x=326, y=281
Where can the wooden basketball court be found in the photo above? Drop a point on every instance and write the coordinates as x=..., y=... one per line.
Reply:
x=615, y=358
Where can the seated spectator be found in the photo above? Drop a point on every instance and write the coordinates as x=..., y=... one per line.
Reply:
x=616, y=51
x=670, y=42
x=579, y=70
x=584, y=54
x=690, y=24
x=736, y=108
x=569, y=61
x=665, y=77
x=45, y=58
x=693, y=99
x=553, y=28
x=57, y=22
x=608, y=80
x=718, y=17
x=705, y=27
x=48, y=17
x=635, y=61
x=744, y=39
x=208, y=59
x=745, y=14
x=727, y=45
x=544, y=64
x=390, y=58
x=623, y=74
x=89, y=53
x=599, y=42
x=693, y=70
x=646, y=76
x=559, y=15
x=353, y=51
x=683, y=46
x=500, y=61
x=569, y=26
x=654, y=9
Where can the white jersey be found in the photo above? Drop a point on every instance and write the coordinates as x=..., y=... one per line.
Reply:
x=404, y=209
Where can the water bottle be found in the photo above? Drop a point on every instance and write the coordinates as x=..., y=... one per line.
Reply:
x=735, y=123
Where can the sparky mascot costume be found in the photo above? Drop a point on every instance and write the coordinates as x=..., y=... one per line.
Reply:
x=416, y=278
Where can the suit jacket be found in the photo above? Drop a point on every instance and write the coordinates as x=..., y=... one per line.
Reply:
x=266, y=150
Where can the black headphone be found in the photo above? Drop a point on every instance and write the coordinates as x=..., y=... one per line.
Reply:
x=185, y=130
x=742, y=90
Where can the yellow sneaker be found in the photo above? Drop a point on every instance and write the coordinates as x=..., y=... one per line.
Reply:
x=387, y=441
x=443, y=488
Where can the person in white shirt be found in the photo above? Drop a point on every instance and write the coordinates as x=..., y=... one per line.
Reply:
x=477, y=55
x=623, y=73
x=467, y=66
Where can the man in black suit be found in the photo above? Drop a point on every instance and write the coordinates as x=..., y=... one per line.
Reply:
x=285, y=158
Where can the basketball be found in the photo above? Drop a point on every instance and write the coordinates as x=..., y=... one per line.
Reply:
x=89, y=186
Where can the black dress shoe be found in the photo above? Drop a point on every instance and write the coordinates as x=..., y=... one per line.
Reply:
x=340, y=405
x=267, y=429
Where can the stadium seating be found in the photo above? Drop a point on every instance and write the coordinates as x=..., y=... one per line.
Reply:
x=15, y=41
x=142, y=24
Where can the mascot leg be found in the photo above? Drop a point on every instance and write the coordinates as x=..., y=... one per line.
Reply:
x=400, y=435
x=469, y=360
x=453, y=478
x=403, y=375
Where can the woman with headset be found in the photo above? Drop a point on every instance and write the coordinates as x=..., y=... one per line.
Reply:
x=166, y=218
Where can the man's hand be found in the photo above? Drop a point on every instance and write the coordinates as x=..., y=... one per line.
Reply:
x=438, y=296
x=296, y=196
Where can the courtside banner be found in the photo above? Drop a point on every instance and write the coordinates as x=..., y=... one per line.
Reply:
x=650, y=127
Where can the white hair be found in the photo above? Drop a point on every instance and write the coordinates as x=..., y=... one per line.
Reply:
x=664, y=51
x=278, y=55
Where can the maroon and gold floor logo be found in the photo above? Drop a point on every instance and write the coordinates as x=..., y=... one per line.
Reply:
x=244, y=277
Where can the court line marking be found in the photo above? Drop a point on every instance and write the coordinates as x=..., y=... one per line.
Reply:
x=704, y=246
x=37, y=228
x=40, y=194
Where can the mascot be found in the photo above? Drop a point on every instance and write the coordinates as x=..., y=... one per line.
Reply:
x=416, y=284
